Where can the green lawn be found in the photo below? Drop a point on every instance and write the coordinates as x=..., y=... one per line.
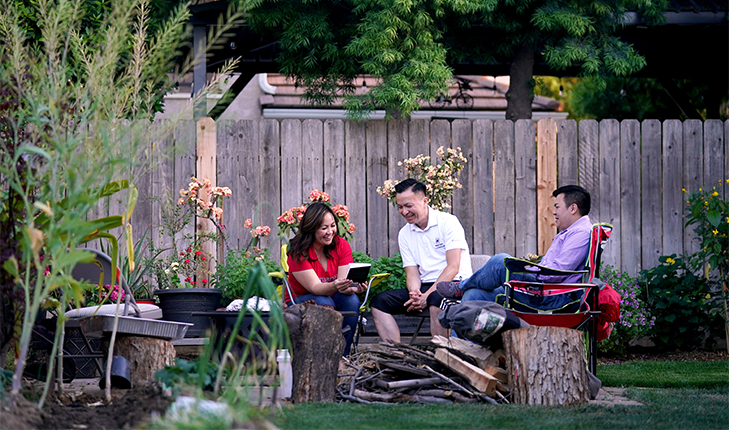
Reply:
x=666, y=374
x=702, y=402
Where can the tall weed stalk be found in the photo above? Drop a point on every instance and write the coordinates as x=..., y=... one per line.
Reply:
x=77, y=102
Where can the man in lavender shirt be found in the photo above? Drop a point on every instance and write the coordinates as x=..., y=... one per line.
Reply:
x=568, y=252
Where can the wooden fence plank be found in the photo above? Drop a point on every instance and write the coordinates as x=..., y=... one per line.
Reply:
x=504, y=212
x=568, y=160
x=714, y=154
x=397, y=151
x=693, y=175
x=672, y=194
x=357, y=196
x=418, y=138
x=292, y=191
x=610, y=184
x=270, y=180
x=525, y=186
x=630, y=234
x=440, y=135
x=651, y=179
x=377, y=221
x=462, y=198
x=312, y=156
x=483, y=187
x=334, y=160
x=589, y=168
x=546, y=183
x=234, y=213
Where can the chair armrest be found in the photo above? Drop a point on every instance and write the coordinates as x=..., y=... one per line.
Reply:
x=373, y=281
x=518, y=265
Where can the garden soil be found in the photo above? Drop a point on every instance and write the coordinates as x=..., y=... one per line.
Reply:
x=129, y=409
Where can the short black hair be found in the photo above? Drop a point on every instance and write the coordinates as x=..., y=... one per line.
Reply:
x=417, y=187
x=577, y=195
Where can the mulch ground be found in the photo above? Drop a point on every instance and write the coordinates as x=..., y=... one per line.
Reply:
x=666, y=356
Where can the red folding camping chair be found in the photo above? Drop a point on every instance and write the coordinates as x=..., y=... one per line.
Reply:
x=581, y=311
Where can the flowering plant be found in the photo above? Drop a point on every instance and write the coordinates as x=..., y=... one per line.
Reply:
x=99, y=295
x=441, y=179
x=709, y=214
x=682, y=302
x=288, y=222
x=188, y=265
x=635, y=318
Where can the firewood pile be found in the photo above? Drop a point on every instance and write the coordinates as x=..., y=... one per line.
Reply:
x=450, y=370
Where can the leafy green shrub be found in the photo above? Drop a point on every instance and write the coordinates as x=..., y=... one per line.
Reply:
x=232, y=277
x=681, y=302
x=635, y=319
x=393, y=266
x=361, y=257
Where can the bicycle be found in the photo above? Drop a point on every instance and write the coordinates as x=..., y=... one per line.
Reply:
x=462, y=99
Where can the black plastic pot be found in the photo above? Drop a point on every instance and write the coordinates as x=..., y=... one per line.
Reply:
x=178, y=304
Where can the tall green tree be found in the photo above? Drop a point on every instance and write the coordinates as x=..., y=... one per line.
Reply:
x=413, y=45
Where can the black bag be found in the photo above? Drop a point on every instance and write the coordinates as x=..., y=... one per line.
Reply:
x=480, y=321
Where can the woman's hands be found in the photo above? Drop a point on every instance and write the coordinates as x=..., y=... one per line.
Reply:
x=343, y=285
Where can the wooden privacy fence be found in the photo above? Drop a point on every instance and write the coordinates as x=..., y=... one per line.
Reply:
x=634, y=170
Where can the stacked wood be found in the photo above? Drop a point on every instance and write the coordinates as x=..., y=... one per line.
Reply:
x=397, y=373
x=317, y=345
x=547, y=366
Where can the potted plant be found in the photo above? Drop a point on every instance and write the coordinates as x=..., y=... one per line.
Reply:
x=183, y=276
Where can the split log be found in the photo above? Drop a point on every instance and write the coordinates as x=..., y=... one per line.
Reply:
x=481, y=356
x=408, y=383
x=397, y=397
x=479, y=379
x=317, y=345
x=546, y=366
x=146, y=355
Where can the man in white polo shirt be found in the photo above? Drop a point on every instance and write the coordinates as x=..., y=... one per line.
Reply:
x=434, y=249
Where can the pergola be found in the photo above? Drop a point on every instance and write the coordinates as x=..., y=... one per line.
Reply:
x=693, y=43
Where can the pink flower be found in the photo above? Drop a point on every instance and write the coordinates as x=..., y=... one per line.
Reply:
x=248, y=223
x=351, y=228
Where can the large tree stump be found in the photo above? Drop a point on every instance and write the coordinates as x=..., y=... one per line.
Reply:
x=318, y=344
x=146, y=355
x=546, y=366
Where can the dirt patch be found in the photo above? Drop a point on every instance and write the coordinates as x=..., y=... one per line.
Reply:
x=129, y=409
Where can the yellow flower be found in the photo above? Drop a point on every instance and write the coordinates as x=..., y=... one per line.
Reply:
x=670, y=261
x=715, y=232
x=714, y=194
x=683, y=189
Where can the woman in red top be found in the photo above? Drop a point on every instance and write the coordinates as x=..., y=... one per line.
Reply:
x=318, y=263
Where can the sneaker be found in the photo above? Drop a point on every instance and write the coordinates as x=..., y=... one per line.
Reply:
x=449, y=290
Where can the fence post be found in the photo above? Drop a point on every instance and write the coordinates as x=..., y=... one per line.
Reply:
x=206, y=168
x=546, y=182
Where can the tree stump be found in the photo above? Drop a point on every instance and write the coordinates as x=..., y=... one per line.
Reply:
x=546, y=366
x=146, y=355
x=318, y=344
